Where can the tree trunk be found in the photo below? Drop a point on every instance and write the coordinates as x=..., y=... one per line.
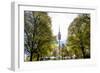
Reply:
x=82, y=49
x=31, y=54
x=37, y=57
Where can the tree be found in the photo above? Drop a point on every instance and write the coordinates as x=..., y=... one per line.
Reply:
x=78, y=41
x=37, y=34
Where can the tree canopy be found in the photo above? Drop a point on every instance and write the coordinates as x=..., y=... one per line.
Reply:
x=37, y=34
x=78, y=42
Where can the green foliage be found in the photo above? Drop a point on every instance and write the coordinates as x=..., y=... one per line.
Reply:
x=78, y=41
x=38, y=35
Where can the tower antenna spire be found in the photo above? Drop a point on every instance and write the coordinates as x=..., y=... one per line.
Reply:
x=59, y=38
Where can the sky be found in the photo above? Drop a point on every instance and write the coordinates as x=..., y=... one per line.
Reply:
x=61, y=20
